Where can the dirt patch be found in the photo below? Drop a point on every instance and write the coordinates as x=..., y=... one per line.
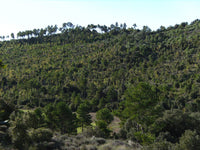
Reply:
x=93, y=115
x=115, y=125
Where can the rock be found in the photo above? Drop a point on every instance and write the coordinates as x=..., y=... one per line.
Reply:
x=134, y=144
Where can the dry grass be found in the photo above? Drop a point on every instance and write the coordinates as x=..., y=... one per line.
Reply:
x=115, y=125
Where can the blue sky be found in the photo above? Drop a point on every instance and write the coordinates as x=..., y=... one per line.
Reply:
x=20, y=15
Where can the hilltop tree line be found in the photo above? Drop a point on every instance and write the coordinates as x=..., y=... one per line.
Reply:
x=66, y=27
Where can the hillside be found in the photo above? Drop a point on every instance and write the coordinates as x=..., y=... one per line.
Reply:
x=144, y=77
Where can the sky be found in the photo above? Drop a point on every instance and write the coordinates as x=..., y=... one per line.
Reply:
x=21, y=15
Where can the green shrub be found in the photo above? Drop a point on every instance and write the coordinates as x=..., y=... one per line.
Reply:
x=144, y=138
x=105, y=115
x=40, y=134
x=102, y=129
x=190, y=140
x=176, y=122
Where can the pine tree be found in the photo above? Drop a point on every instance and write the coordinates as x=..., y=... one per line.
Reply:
x=83, y=115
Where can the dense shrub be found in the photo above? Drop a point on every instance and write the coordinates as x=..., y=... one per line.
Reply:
x=105, y=115
x=40, y=134
x=190, y=140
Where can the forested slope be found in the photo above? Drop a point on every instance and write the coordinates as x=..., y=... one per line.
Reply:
x=150, y=79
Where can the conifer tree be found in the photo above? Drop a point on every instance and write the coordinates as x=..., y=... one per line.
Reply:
x=83, y=115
